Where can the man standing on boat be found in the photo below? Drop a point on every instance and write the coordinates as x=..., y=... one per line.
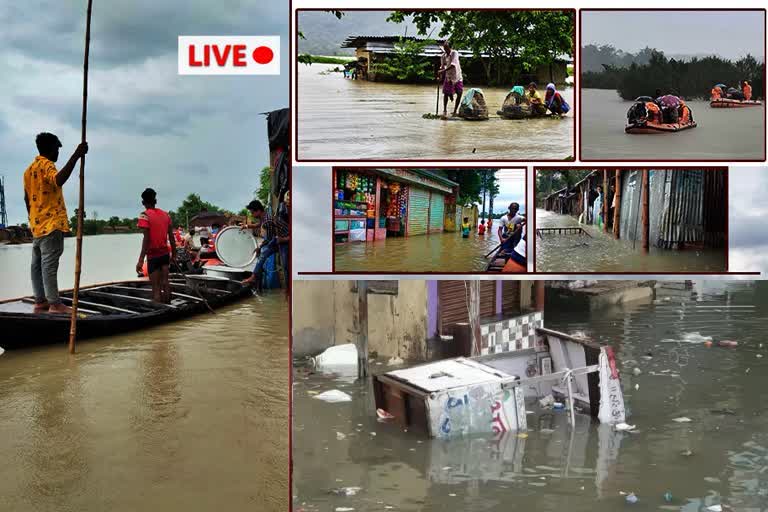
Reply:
x=157, y=245
x=275, y=230
x=48, y=219
x=450, y=74
x=510, y=228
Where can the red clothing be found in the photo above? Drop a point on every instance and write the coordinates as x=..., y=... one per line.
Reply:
x=158, y=223
x=481, y=229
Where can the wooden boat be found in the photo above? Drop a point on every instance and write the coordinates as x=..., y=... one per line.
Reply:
x=730, y=103
x=114, y=308
x=500, y=262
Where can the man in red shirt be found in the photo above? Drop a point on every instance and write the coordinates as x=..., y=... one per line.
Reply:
x=157, y=246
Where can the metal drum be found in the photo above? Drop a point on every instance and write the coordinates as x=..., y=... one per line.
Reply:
x=237, y=274
x=236, y=247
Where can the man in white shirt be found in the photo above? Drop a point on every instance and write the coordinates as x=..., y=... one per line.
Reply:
x=510, y=228
x=450, y=74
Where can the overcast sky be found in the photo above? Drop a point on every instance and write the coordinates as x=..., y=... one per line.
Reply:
x=511, y=189
x=147, y=126
x=728, y=34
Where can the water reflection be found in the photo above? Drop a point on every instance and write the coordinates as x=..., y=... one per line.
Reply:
x=438, y=252
x=721, y=134
x=600, y=252
x=375, y=120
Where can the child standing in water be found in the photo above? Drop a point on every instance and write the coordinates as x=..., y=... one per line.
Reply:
x=481, y=228
x=465, y=227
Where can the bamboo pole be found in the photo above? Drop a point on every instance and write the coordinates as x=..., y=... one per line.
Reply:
x=362, y=338
x=644, y=191
x=81, y=200
x=617, y=210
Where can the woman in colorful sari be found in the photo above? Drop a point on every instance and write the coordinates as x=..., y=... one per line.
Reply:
x=555, y=102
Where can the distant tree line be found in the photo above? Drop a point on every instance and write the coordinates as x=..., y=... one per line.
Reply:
x=552, y=180
x=690, y=79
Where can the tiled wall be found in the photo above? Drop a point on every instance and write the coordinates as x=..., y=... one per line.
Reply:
x=512, y=334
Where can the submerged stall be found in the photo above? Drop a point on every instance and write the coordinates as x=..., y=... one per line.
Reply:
x=373, y=204
x=520, y=361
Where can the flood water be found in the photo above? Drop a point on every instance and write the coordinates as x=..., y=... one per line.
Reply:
x=603, y=253
x=191, y=415
x=555, y=469
x=720, y=134
x=438, y=252
x=342, y=119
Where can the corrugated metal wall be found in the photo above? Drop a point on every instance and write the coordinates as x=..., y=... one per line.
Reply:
x=453, y=297
x=418, y=210
x=510, y=297
x=685, y=208
x=436, y=212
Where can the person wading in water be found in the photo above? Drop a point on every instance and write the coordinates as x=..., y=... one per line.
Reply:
x=450, y=74
x=48, y=219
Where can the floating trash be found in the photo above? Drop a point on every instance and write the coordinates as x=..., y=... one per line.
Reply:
x=333, y=396
x=682, y=419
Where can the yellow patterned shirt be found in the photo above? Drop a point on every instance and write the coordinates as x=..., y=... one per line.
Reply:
x=47, y=212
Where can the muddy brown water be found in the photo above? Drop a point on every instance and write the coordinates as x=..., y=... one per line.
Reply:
x=603, y=253
x=721, y=134
x=438, y=252
x=191, y=415
x=342, y=119
x=721, y=456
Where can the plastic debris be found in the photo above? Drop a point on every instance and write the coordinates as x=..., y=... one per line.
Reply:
x=2, y=351
x=668, y=497
x=333, y=396
x=682, y=419
x=384, y=415
x=728, y=343
x=340, y=436
x=624, y=427
x=686, y=453
x=522, y=435
x=339, y=355
x=558, y=406
x=631, y=498
x=344, y=509
x=759, y=356
x=637, y=386
x=637, y=371
x=547, y=401
x=347, y=491
x=715, y=508
x=395, y=361
x=708, y=343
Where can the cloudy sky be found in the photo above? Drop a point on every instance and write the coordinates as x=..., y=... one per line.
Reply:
x=147, y=126
x=728, y=34
x=511, y=189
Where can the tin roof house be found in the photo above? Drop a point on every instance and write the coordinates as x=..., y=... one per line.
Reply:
x=371, y=50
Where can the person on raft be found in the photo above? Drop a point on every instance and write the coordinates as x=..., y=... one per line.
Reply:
x=450, y=75
x=275, y=229
x=510, y=228
x=554, y=101
x=746, y=89
x=157, y=230
x=535, y=99
x=48, y=219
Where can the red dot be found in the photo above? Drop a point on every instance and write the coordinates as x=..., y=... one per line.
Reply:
x=263, y=55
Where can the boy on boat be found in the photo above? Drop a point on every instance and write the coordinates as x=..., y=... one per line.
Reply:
x=510, y=228
x=48, y=219
x=276, y=235
x=465, y=227
x=157, y=245
x=450, y=75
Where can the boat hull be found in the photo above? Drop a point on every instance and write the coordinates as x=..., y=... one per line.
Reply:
x=728, y=103
x=114, y=308
x=647, y=128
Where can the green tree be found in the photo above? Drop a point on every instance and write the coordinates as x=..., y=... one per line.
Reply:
x=407, y=63
x=470, y=183
x=193, y=205
x=522, y=39
x=264, y=191
x=113, y=222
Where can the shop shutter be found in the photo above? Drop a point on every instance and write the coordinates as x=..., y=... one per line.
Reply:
x=510, y=297
x=436, y=212
x=453, y=297
x=418, y=210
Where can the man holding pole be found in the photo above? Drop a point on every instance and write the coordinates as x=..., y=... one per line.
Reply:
x=450, y=74
x=48, y=219
x=511, y=228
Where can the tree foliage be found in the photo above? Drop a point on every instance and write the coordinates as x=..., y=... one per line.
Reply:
x=524, y=39
x=265, y=186
x=407, y=63
x=553, y=180
x=690, y=79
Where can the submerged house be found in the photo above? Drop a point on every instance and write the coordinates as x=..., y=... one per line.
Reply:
x=372, y=50
x=665, y=208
